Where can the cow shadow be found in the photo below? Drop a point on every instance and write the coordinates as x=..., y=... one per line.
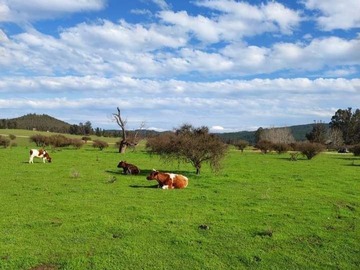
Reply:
x=121, y=172
x=143, y=186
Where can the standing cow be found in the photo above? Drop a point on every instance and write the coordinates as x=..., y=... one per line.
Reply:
x=41, y=153
x=168, y=180
x=128, y=168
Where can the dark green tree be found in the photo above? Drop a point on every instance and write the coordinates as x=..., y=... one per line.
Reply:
x=348, y=123
x=318, y=133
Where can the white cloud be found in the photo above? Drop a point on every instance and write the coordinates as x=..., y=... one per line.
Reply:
x=25, y=11
x=230, y=104
x=335, y=14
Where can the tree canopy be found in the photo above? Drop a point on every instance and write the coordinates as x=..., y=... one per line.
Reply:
x=189, y=144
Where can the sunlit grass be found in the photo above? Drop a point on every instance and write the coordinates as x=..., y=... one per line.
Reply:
x=260, y=211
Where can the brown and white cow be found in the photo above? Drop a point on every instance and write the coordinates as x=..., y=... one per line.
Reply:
x=41, y=153
x=168, y=180
x=128, y=168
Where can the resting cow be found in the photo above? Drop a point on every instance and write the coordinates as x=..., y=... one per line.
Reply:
x=39, y=154
x=168, y=180
x=128, y=168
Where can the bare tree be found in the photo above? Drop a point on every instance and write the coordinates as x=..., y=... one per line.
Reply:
x=277, y=135
x=126, y=139
x=122, y=124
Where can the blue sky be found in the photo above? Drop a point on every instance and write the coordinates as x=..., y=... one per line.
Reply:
x=229, y=65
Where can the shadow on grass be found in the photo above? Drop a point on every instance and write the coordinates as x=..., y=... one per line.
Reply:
x=146, y=172
x=143, y=186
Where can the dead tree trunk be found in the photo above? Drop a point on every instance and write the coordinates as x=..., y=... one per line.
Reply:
x=122, y=124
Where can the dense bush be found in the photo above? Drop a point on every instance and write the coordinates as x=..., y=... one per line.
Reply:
x=309, y=149
x=355, y=149
x=5, y=142
x=265, y=146
x=59, y=141
x=100, y=144
x=241, y=144
x=281, y=147
x=39, y=140
x=86, y=138
x=77, y=143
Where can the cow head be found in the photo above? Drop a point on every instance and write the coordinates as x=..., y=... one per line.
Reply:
x=122, y=164
x=48, y=158
x=152, y=175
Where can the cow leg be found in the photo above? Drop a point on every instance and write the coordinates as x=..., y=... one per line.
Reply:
x=165, y=187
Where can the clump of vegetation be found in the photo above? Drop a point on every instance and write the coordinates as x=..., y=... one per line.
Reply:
x=264, y=146
x=74, y=173
x=100, y=144
x=281, y=148
x=355, y=149
x=77, y=143
x=39, y=140
x=5, y=142
x=86, y=138
x=189, y=144
x=241, y=145
x=309, y=149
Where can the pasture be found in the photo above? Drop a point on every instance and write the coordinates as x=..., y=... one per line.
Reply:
x=259, y=212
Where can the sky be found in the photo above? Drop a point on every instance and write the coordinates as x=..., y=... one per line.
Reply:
x=225, y=64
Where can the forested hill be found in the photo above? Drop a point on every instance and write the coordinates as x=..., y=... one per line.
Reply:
x=41, y=122
x=45, y=122
x=299, y=133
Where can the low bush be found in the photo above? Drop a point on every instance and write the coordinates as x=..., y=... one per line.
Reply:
x=241, y=145
x=355, y=149
x=100, y=144
x=265, y=146
x=281, y=148
x=309, y=149
x=77, y=143
x=5, y=142
x=39, y=140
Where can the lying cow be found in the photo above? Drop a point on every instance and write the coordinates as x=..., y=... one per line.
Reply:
x=39, y=154
x=128, y=168
x=168, y=180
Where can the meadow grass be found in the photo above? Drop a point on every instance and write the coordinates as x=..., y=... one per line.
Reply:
x=259, y=212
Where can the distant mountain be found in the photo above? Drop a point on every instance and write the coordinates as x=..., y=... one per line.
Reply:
x=39, y=122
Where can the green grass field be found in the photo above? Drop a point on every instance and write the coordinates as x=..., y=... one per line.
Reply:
x=259, y=212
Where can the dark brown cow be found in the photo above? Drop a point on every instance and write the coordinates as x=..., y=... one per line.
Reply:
x=168, y=180
x=128, y=168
